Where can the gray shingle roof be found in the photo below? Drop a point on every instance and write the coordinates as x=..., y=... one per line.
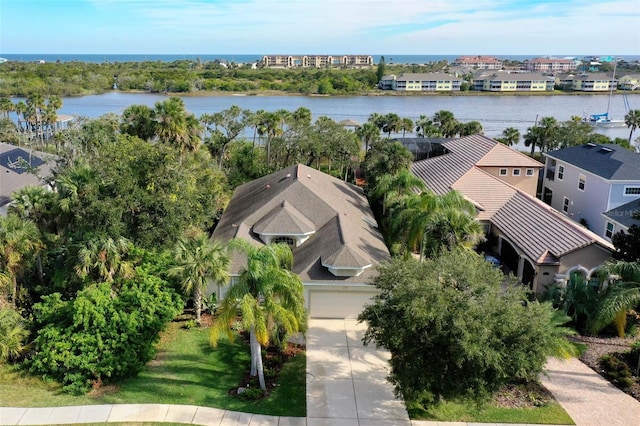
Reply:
x=13, y=175
x=625, y=214
x=337, y=211
x=609, y=161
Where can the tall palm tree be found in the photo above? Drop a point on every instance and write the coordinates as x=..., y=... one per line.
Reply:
x=138, y=120
x=369, y=133
x=447, y=123
x=267, y=295
x=175, y=126
x=18, y=239
x=198, y=262
x=549, y=127
x=6, y=106
x=391, y=124
x=621, y=295
x=510, y=136
x=533, y=138
x=470, y=128
x=632, y=120
x=406, y=125
x=391, y=187
x=426, y=128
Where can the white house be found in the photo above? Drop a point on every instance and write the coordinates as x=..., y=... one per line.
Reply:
x=327, y=223
x=585, y=181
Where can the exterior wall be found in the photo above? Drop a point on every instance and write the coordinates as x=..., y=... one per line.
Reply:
x=617, y=197
x=422, y=85
x=588, y=257
x=523, y=182
x=544, y=278
x=588, y=204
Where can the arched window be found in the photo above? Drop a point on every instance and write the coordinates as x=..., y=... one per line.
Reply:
x=285, y=240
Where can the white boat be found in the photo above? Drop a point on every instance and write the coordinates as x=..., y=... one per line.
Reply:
x=603, y=120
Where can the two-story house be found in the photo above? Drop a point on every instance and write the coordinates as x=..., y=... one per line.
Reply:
x=538, y=244
x=585, y=181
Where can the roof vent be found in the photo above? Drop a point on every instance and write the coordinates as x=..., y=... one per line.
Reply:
x=590, y=145
x=605, y=150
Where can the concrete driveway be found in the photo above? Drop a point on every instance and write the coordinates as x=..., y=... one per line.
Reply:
x=346, y=382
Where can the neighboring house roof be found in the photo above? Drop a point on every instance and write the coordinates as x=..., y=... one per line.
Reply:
x=440, y=173
x=509, y=76
x=15, y=163
x=626, y=214
x=542, y=233
x=300, y=200
x=608, y=161
x=432, y=76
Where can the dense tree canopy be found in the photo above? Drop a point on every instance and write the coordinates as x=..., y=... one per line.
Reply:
x=454, y=330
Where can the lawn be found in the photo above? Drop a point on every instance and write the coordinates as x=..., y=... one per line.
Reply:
x=187, y=370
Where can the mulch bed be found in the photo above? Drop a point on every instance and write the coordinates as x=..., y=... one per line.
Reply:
x=597, y=347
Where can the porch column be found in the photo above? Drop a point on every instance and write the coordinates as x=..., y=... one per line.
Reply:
x=520, y=268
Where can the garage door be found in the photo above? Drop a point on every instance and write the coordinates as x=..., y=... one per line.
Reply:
x=342, y=304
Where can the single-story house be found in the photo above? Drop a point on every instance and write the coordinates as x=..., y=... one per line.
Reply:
x=327, y=223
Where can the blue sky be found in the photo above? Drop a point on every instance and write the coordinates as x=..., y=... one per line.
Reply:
x=499, y=27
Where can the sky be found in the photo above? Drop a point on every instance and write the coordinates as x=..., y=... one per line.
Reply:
x=420, y=27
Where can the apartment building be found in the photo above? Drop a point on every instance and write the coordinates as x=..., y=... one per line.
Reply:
x=502, y=81
x=316, y=61
x=478, y=62
x=551, y=65
x=421, y=82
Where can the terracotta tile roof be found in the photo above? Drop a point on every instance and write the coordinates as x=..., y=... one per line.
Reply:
x=303, y=197
x=542, y=233
x=501, y=155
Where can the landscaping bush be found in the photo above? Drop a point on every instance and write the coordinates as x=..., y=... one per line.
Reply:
x=106, y=333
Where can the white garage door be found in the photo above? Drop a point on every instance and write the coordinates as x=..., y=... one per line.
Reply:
x=338, y=304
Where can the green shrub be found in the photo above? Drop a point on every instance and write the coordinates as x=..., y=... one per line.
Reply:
x=616, y=369
x=104, y=334
x=251, y=394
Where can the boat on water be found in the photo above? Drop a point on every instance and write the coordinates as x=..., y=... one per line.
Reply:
x=603, y=120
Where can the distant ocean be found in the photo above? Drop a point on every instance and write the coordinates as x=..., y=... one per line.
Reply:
x=246, y=59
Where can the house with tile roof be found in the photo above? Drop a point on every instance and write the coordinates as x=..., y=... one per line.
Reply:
x=327, y=223
x=538, y=244
x=20, y=167
x=589, y=182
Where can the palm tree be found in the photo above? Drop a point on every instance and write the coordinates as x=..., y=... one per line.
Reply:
x=632, y=120
x=426, y=128
x=438, y=220
x=470, y=128
x=175, y=126
x=621, y=295
x=267, y=295
x=369, y=133
x=391, y=124
x=549, y=127
x=138, y=120
x=533, y=138
x=510, y=136
x=198, y=262
x=406, y=125
x=105, y=258
x=18, y=238
x=447, y=123
x=6, y=106
x=394, y=186
x=13, y=334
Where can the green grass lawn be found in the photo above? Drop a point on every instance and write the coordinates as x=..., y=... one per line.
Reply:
x=187, y=370
x=469, y=411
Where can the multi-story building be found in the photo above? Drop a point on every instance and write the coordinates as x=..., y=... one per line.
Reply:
x=317, y=61
x=421, y=82
x=592, y=82
x=551, y=65
x=539, y=245
x=501, y=81
x=584, y=182
x=478, y=62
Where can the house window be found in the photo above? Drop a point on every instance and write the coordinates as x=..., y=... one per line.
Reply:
x=609, y=231
x=529, y=172
x=285, y=240
x=560, y=172
x=632, y=190
x=503, y=172
x=581, y=181
x=565, y=205
x=516, y=172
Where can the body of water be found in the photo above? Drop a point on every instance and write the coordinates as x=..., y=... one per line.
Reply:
x=248, y=58
x=495, y=113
